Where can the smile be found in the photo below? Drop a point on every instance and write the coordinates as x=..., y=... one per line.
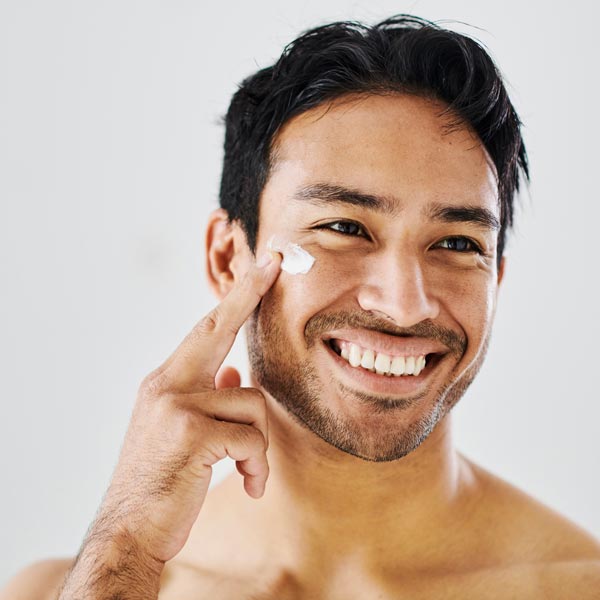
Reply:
x=374, y=380
x=378, y=362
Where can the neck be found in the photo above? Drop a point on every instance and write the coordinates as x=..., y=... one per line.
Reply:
x=318, y=500
x=319, y=497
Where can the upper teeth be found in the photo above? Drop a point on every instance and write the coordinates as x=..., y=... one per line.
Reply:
x=382, y=364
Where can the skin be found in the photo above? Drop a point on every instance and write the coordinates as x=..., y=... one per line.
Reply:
x=344, y=516
x=397, y=281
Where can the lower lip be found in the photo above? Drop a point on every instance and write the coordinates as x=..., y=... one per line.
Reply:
x=383, y=384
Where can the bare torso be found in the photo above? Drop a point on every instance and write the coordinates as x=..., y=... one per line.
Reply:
x=513, y=546
x=528, y=581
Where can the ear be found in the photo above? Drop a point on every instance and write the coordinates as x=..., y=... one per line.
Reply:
x=227, y=253
x=501, y=270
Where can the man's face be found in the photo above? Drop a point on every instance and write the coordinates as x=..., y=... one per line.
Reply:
x=401, y=218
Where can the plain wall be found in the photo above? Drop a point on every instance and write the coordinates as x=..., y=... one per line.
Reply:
x=110, y=159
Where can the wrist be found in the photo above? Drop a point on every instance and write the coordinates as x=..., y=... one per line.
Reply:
x=111, y=563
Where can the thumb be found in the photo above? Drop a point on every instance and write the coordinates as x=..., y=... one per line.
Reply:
x=227, y=377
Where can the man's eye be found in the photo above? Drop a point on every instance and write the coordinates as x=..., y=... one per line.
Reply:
x=459, y=244
x=344, y=227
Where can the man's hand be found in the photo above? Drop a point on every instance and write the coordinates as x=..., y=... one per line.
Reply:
x=188, y=415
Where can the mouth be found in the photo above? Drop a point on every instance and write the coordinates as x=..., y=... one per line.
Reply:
x=404, y=365
x=383, y=365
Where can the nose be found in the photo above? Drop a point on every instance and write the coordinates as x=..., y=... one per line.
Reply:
x=396, y=287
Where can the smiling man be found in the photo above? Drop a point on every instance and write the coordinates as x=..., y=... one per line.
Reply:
x=371, y=348
x=391, y=154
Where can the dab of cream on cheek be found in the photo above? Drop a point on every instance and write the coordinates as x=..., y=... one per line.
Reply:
x=296, y=260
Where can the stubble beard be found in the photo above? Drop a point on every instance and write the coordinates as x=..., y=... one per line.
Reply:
x=295, y=385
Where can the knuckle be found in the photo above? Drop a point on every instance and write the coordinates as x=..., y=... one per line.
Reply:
x=153, y=415
x=187, y=423
x=250, y=437
x=154, y=384
x=257, y=398
x=210, y=322
x=215, y=321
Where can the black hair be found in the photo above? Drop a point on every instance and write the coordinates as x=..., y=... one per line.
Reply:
x=405, y=54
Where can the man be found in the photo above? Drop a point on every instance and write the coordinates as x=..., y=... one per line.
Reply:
x=391, y=155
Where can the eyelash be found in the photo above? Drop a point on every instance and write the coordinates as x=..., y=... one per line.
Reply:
x=474, y=246
x=328, y=227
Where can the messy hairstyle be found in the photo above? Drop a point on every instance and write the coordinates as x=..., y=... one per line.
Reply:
x=402, y=54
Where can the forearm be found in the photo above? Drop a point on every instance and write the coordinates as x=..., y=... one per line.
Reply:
x=112, y=567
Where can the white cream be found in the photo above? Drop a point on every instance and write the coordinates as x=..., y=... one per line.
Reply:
x=296, y=260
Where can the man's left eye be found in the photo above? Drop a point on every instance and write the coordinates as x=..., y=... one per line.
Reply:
x=459, y=244
x=350, y=228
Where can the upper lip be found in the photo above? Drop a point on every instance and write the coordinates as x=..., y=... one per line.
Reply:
x=388, y=344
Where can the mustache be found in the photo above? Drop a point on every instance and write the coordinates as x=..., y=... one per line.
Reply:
x=322, y=323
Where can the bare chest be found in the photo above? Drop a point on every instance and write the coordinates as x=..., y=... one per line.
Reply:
x=181, y=582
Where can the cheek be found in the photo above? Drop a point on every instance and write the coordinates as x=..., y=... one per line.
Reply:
x=313, y=289
x=338, y=266
x=469, y=298
x=300, y=297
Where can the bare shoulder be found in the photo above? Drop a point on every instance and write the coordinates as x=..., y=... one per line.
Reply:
x=533, y=532
x=573, y=579
x=40, y=580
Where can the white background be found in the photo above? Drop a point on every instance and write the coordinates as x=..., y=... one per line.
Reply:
x=110, y=159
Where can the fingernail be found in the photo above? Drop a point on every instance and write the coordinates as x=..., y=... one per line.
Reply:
x=264, y=259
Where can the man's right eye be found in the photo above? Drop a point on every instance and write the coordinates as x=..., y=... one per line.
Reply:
x=350, y=228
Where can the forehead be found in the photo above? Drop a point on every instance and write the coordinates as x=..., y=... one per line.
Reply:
x=394, y=145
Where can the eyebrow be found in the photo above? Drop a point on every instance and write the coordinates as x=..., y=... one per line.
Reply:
x=325, y=194
x=475, y=215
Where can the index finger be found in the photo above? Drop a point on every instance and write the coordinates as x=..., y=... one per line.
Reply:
x=197, y=359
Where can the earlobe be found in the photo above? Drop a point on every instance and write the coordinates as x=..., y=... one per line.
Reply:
x=222, y=247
